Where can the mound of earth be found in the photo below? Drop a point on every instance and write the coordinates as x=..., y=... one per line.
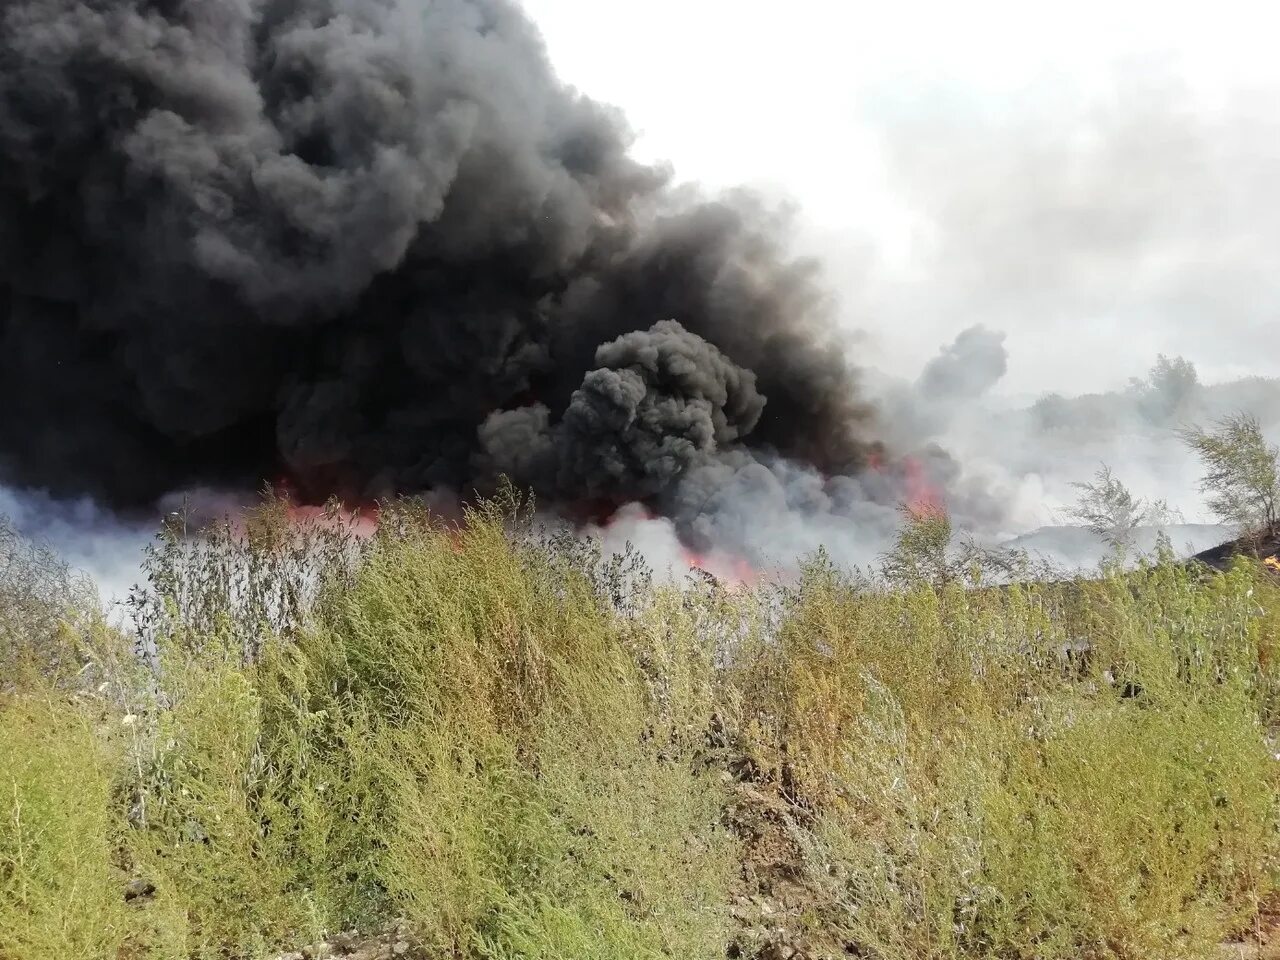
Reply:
x=1263, y=546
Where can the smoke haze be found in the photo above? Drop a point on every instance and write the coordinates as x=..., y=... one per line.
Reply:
x=1096, y=227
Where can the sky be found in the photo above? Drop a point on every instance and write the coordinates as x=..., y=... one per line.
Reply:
x=1099, y=180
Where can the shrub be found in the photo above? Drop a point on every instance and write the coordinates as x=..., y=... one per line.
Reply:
x=43, y=607
x=980, y=793
x=61, y=889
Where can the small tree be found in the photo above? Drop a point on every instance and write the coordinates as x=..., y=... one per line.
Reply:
x=1242, y=472
x=1113, y=514
x=1169, y=390
x=920, y=554
x=927, y=551
x=40, y=599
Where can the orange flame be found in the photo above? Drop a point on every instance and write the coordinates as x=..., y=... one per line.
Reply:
x=362, y=523
x=361, y=520
x=734, y=571
x=923, y=498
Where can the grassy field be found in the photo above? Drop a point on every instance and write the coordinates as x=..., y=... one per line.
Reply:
x=519, y=751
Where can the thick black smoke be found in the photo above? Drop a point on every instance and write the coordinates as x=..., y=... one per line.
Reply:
x=371, y=246
x=660, y=402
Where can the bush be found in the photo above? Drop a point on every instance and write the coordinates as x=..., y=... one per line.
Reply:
x=43, y=607
x=458, y=736
x=980, y=792
x=61, y=889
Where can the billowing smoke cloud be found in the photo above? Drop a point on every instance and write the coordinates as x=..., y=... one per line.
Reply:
x=661, y=402
x=1020, y=460
x=373, y=246
x=967, y=368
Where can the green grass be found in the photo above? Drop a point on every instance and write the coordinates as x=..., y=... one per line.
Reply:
x=456, y=727
x=60, y=885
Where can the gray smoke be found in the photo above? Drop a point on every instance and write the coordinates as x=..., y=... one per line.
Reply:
x=1096, y=220
x=966, y=368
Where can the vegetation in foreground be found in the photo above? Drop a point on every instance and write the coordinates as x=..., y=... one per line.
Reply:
x=507, y=747
x=521, y=751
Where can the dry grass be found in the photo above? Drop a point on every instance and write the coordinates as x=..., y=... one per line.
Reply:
x=465, y=729
x=60, y=885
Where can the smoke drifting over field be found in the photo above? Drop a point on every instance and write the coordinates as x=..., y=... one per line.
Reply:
x=370, y=247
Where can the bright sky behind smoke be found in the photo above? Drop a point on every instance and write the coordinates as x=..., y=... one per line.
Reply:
x=1054, y=171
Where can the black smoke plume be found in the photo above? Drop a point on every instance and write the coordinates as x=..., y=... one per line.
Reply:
x=660, y=402
x=371, y=246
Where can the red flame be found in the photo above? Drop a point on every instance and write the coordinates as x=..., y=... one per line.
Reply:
x=361, y=520
x=362, y=523
x=729, y=569
x=923, y=498
x=918, y=493
x=908, y=478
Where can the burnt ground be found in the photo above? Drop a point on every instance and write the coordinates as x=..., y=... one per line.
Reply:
x=1263, y=546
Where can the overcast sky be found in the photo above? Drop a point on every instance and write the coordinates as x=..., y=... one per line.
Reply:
x=1101, y=179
